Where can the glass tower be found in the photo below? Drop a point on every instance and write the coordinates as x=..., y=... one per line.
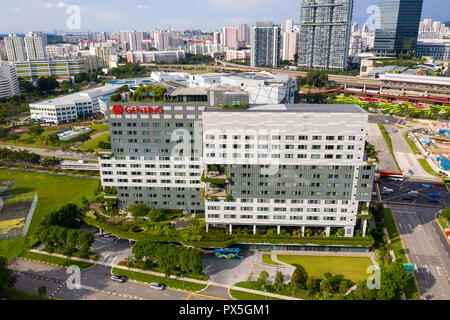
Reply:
x=397, y=33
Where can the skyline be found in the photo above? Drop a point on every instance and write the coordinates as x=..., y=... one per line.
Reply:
x=100, y=15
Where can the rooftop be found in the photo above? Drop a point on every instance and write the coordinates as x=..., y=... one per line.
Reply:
x=88, y=94
x=298, y=108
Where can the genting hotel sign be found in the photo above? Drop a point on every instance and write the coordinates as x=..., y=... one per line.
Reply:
x=118, y=109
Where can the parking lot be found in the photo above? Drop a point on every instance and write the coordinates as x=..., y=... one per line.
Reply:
x=401, y=189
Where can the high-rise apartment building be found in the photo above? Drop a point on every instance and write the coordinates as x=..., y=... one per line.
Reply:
x=162, y=40
x=265, y=166
x=325, y=33
x=15, y=48
x=265, y=43
x=35, y=43
x=399, y=27
x=244, y=32
x=289, y=36
x=231, y=35
x=9, y=85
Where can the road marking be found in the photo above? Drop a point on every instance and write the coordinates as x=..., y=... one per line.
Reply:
x=204, y=295
x=189, y=296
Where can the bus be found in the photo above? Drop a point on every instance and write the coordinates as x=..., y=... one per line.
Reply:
x=396, y=176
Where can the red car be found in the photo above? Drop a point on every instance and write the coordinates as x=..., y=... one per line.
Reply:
x=438, y=184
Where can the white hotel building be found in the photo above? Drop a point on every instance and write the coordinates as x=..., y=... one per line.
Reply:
x=266, y=166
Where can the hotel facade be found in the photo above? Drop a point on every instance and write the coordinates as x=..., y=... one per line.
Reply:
x=263, y=166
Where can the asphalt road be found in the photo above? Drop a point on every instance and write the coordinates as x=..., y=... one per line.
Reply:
x=374, y=137
x=53, y=153
x=427, y=248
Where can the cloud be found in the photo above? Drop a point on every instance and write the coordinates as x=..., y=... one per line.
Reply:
x=16, y=9
x=142, y=6
x=60, y=5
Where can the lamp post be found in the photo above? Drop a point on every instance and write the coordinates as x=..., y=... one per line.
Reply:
x=182, y=277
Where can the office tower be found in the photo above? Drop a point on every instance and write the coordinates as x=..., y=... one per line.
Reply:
x=216, y=37
x=9, y=85
x=244, y=32
x=15, y=48
x=325, y=33
x=294, y=165
x=399, y=27
x=35, y=43
x=265, y=42
x=231, y=37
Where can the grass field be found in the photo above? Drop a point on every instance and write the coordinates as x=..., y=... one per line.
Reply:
x=171, y=283
x=53, y=192
x=268, y=260
x=351, y=268
x=241, y=295
x=55, y=260
x=93, y=143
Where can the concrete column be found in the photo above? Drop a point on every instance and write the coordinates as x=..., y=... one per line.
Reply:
x=364, y=222
x=254, y=229
x=349, y=231
x=231, y=228
x=303, y=231
x=278, y=229
x=207, y=228
x=327, y=231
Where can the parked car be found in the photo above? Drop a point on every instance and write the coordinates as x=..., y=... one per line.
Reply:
x=426, y=185
x=433, y=200
x=118, y=278
x=413, y=193
x=407, y=198
x=157, y=286
x=438, y=184
x=388, y=189
x=433, y=195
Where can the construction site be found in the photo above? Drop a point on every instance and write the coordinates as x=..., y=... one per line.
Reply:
x=435, y=143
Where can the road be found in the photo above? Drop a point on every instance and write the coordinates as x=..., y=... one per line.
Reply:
x=374, y=137
x=54, y=153
x=427, y=248
x=95, y=281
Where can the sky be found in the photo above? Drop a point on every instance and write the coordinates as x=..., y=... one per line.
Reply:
x=21, y=16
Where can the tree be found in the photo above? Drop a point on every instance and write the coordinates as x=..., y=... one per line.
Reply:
x=343, y=287
x=26, y=86
x=7, y=279
x=47, y=84
x=250, y=277
x=311, y=285
x=279, y=280
x=156, y=215
x=36, y=130
x=325, y=286
x=138, y=209
x=50, y=162
x=262, y=279
x=446, y=214
x=42, y=290
x=64, y=217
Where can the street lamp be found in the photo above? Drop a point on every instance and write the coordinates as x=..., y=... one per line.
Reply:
x=182, y=277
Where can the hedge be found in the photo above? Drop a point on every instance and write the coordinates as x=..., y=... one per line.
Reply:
x=332, y=240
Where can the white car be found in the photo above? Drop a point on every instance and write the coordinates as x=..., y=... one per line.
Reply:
x=157, y=286
x=385, y=189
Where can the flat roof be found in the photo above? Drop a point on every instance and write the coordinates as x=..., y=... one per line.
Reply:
x=87, y=94
x=298, y=108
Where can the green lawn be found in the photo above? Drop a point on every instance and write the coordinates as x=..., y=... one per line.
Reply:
x=351, y=268
x=55, y=260
x=93, y=143
x=241, y=295
x=268, y=260
x=53, y=192
x=426, y=166
x=394, y=236
x=15, y=294
x=171, y=283
x=100, y=127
